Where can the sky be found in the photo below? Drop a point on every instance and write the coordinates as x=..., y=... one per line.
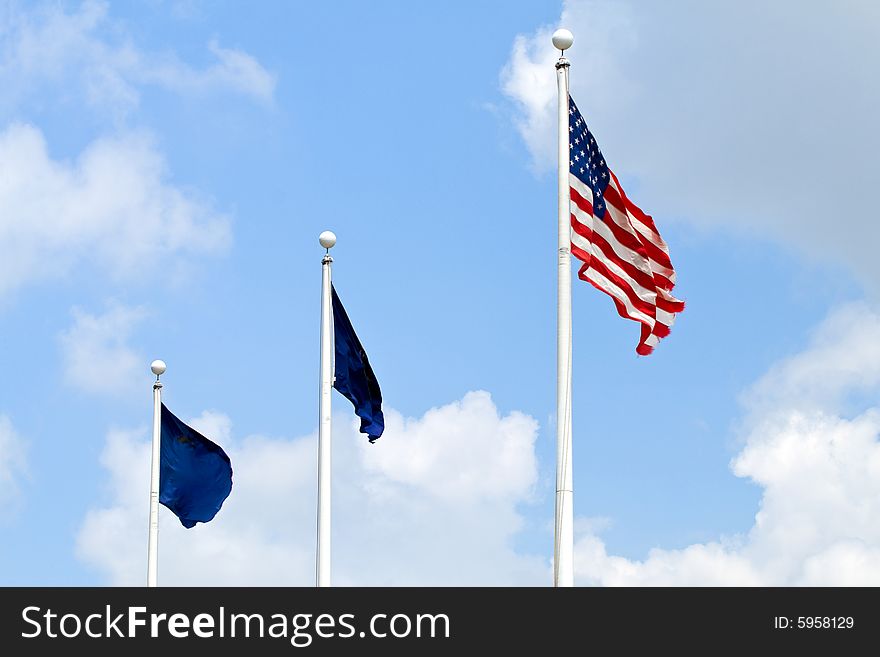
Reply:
x=166, y=168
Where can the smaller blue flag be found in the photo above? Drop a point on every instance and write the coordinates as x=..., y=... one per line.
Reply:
x=354, y=377
x=195, y=475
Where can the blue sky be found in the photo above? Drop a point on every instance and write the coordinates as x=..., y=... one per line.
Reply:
x=166, y=167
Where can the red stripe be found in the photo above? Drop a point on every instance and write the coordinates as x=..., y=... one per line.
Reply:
x=643, y=349
x=662, y=281
x=661, y=330
x=669, y=306
x=581, y=255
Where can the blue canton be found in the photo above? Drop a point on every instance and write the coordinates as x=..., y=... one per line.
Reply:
x=585, y=159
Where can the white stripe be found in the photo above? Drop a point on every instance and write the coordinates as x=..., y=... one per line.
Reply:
x=652, y=340
x=665, y=317
x=612, y=290
x=667, y=296
x=581, y=189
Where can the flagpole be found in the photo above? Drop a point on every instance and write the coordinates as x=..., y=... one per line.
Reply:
x=158, y=368
x=322, y=566
x=563, y=548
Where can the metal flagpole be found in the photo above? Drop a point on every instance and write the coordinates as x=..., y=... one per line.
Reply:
x=563, y=572
x=322, y=565
x=158, y=368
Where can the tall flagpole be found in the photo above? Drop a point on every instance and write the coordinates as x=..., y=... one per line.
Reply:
x=322, y=565
x=158, y=368
x=563, y=548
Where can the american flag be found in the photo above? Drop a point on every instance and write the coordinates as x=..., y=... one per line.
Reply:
x=623, y=254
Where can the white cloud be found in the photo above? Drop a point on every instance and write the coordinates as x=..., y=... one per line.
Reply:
x=112, y=208
x=433, y=502
x=744, y=116
x=13, y=465
x=86, y=47
x=96, y=355
x=818, y=462
x=843, y=358
x=235, y=71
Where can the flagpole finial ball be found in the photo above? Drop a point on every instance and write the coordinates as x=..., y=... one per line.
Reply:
x=562, y=39
x=327, y=239
x=157, y=367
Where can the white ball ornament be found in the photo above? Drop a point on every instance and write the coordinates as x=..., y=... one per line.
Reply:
x=562, y=39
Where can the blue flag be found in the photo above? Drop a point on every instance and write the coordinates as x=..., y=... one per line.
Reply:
x=354, y=376
x=195, y=475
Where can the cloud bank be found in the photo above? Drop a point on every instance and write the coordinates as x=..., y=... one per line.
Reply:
x=112, y=208
x=87, y=49
x=815, y=452
x=435, y=501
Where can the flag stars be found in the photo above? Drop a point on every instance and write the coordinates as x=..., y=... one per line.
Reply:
x=587, y=164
